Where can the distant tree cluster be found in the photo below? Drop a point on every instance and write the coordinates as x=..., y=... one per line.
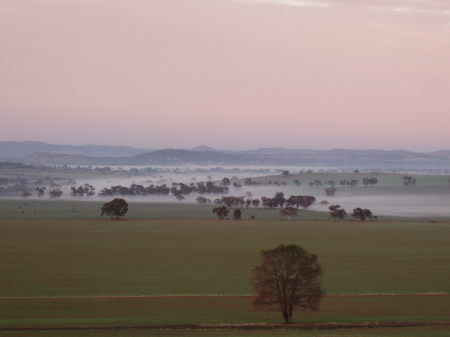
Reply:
x=363, y=214
x=330, y=191
x=288, y=207
x=337, y=212
x=251, y=182
x=179, y=190
x=221, y=212
x=25, y=187
x=134, y=190
x=203, y=200
x=370, y=181
x=239, y=202
x=278, y=201
x=40, y=190
x=55, y=191
x=26, y=194
x=316, y=182
x=408, y=180
x=81, y=191
x=230, y=201
x=289, y=212
x=351, y=183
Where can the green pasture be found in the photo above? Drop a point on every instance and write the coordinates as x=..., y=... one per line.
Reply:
x=35, y=209
x=82, y=209
x=63, y=257
x=36, y=172
x=181, y=249
x=384, y=179
x=389, y=184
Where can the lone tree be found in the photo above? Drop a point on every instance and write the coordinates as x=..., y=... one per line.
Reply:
x=115, y=208
x=408, y=180
x=287, y=279
x=221, y=211
x=237, y=214
x=331, y=191
x=289, y=212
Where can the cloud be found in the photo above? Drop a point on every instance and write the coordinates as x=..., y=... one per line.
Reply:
x=430, y=7
x=418, y=10
x=292, y=3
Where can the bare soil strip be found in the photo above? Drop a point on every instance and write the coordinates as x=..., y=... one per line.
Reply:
x=204, y=296
x=259, y=326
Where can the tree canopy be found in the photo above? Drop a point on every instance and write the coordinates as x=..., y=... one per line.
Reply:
x=221, y=211
x=362, y=214
x=337, y=212
x=288, y=279
x=115, y=209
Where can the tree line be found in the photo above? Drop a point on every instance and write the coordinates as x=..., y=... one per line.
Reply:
x=277, y=201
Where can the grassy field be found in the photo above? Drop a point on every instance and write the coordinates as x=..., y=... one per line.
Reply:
x=35, y=209
x=373, y=332
x=211, y=310
x=63, y=257
x=384, y=179
x=180, y=249
x=35, y=172
x=389, y=184
x=32, y=209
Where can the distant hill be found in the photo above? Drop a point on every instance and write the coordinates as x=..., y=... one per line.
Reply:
x=20, y=149
x=203, y=148
x=441, y=154
x=57, y=159
x=158, y=157
x=358, y=159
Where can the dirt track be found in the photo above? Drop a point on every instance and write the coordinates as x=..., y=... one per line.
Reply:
x=206, y=296
x=261, y=326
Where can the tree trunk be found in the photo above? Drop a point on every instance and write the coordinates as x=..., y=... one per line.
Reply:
x=285, y=316
x=290, y=314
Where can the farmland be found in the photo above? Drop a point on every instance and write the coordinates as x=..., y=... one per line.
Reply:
x=225, y=168
x=181, y=266
x=169, y=265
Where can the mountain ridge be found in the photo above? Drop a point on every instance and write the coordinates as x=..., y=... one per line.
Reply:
x=11, y=149
x=204, y=155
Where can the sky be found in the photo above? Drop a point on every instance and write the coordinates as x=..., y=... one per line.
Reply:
x=233, y=74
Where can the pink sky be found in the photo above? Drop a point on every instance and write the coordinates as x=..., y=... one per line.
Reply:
x=227, y=73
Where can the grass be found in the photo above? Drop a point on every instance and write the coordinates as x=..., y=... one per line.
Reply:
x=49, y=172
x=58, y=257
x=384, y=179
x=215, y=310
x=84, y=209
x=374, y=332
x=179, y=249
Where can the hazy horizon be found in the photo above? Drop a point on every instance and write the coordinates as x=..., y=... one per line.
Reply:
x=230, y=74
x=221, y=148
x=229, y=148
